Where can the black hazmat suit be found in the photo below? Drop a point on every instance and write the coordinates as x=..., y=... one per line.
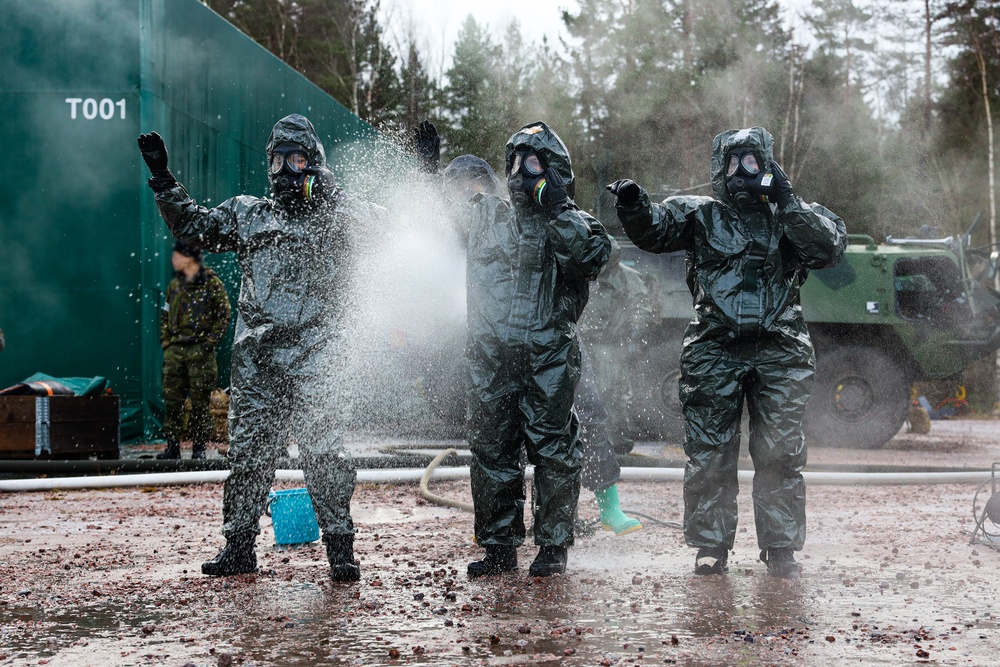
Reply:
x=600, y=468
x=614, y=328
x=295, y=279
x=748, y=342
x=528, y=274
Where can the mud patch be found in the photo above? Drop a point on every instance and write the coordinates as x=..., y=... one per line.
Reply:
x=112, y=577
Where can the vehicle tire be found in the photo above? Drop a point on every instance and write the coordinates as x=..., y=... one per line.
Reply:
x=670, y=401
x=657, y=414
x=860, y=398
x=623, y=446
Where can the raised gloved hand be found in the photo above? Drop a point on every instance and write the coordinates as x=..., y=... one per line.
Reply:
x=428, y=146
x=627, y=191
x=781, y=187
x=319, y=185
x=154, y=152
x=550, y=192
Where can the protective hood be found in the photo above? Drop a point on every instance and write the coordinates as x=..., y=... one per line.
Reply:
x=756, y=139
x=297, y=129
x=541, y=139
x=472, y=168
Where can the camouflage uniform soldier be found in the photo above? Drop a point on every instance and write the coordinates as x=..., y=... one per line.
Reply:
x=193, y=321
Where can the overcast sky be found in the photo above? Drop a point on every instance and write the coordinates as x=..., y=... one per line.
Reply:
x=437, y=22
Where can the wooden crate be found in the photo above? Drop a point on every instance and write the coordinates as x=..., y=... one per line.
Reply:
x=59, y=427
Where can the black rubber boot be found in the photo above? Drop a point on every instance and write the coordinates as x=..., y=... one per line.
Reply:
x=781, y=563
x=340, y=553
x=550, y=560
x=711, y=560
x=237, y=557
x=198, y=451
x=173, y=451
x=499, y=558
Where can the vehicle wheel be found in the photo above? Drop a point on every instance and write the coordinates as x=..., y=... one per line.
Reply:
x=670, y=399
x=657, y=414
x=623, y=446
x=860, y=398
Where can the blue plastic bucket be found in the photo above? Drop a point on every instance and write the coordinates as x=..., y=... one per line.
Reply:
x=292, y=516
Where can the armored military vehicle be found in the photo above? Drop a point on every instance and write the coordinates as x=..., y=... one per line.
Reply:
x=887, y=316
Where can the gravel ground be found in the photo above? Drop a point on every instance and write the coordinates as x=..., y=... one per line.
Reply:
x=111, y=577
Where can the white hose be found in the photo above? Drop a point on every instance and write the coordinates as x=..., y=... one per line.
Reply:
x=414, y=475
x=433, y=497
x=391, y=476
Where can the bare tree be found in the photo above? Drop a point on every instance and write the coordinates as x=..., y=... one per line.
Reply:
x=991, y=169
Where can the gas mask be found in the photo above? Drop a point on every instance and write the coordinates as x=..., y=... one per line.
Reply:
x=745, y=180
x=287, y=173
x=525, y=178
x=467, y=175
x=462, y=190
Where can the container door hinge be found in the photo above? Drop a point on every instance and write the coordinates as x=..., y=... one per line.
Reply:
x=42, y=423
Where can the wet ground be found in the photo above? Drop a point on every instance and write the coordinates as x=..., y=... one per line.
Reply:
x=112, y=577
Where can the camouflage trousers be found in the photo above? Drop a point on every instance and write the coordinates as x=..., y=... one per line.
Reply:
x=189, y=370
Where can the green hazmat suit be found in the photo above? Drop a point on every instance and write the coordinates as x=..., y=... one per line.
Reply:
x=528, y=275
x=295, y=277
x=748, y=343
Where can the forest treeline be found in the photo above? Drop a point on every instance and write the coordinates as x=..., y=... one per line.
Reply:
x=883, y=110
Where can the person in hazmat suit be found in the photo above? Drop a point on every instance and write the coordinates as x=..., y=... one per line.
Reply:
x=529, y=265
x=618, y=323
x=748, y=251
x=294, y=253
x=462, y=179
x=600, y=469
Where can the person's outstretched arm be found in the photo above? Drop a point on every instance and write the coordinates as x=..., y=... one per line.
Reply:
x=664, y=227
x=214, y=229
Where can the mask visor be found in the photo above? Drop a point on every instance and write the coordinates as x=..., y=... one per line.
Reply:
x=748, y=160
x=296, y=161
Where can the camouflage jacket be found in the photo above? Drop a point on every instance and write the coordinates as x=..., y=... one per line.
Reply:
x=195, y=311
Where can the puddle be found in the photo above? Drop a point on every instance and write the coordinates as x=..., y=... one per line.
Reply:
x=392, y=515
x=424, y=616
x=44, y=631
x=885, y=582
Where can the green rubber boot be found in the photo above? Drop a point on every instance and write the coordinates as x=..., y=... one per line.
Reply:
x=612, y=517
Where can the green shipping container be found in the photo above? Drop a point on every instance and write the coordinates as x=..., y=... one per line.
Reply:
x=84, y=256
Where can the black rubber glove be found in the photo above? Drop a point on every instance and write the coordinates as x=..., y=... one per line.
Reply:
x=627, y=191
x=154, y=152
x=551, y=193
x=781, y=187
x=320, y=186
x=428, y=146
